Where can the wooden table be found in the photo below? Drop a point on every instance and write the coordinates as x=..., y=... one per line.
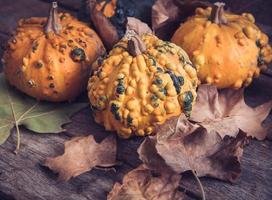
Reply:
x=22, y=176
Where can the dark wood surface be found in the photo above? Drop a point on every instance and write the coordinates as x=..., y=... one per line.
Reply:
x=22, y=177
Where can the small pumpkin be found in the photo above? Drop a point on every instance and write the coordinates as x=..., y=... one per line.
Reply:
x=227, y=49
x=50, y=59
x=142, y=82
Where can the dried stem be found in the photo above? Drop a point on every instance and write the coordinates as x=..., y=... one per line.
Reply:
x=136, y=45
x=53, y=22
x=217, y=15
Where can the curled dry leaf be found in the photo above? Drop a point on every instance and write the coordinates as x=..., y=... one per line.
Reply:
x=168, y=14
x=181, y=146
x=142, y=184
x=226, y=112
x=106, y=30
x=81, y=154
x=211, y=143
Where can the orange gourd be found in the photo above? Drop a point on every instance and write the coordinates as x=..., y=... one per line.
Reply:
x=227, y=49
x=142, y=82
x=50, y=59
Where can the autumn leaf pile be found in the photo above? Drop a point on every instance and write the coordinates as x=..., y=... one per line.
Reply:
x=209, y=143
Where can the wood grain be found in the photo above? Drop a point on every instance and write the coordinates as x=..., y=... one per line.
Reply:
x=23, y=177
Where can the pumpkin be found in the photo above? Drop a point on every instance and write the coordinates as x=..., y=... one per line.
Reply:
x=227, y=49
x=142, y=82
x=50, y=59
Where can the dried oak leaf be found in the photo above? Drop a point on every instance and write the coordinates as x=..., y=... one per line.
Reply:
x=142, y=184
x=168, y=14
x=226, y=112
x=163, y=11
x=138, y=26
x=81, y=154
x=181, y=146
x=106, y=30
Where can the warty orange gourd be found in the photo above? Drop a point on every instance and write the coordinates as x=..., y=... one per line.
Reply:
x=50, y=59
x=142, y=82
x=228, y=50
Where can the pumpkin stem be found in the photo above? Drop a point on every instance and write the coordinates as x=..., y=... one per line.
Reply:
x=53, y=22
x=217, y=15
x=136, y=45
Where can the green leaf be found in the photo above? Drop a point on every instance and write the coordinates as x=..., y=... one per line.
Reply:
x=17, y=109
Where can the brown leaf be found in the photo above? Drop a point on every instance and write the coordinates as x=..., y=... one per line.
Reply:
x=226, y=112
x=212, y=145
x=106, y=30
x=141, y=184
x=182, y=146
x=81, y=154
x=138, y=26
x=168, y=14
x=164, y=11
x=150, y=157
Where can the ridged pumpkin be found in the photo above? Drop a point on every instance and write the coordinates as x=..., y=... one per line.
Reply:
x=227, y=49
x=50, y=59
x=142, y=82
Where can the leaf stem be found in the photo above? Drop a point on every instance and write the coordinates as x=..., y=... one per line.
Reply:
x=16, y=125
x=200, y=185
x=196, y=177
x=16, y=151
x=28, y=111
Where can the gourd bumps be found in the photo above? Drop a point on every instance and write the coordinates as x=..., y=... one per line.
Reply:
x=227, y=49
x=142, y=82
x=50, y=59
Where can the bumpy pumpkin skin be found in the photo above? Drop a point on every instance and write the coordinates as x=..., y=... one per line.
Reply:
x=131, y=94
x=227, y=55
x=50, y=66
